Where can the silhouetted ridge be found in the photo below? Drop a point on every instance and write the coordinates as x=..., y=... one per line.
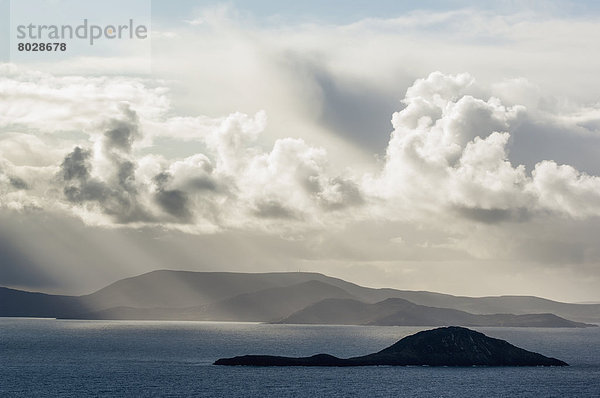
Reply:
x=400, y=312
x=186, y=295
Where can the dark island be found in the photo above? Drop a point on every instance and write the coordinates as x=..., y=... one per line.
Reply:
x=447, y=346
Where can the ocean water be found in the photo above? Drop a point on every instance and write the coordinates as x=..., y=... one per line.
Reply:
x=46, y=357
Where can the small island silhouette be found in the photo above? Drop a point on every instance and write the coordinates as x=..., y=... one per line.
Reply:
x=446, y=346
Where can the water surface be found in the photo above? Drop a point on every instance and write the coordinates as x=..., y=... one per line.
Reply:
x=46, y=357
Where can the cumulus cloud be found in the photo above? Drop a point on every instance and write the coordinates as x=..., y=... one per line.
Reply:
x=105, y=179
x=563, y=189
x=447, y=167
x=448, y=153
x=449, y=150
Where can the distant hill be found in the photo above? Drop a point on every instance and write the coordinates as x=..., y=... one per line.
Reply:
x=30, y=304
x=175, y=289
x=253, y=296
x=262, y=306
x=400, y=312
x=186, y=289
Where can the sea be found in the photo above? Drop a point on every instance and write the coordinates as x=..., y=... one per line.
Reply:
x=73, y=358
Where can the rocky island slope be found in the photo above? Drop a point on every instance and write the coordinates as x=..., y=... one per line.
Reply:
x=447, y=346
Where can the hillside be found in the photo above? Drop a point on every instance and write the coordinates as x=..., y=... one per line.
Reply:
x=262, y=306
x=399, y=312
x=257, y=297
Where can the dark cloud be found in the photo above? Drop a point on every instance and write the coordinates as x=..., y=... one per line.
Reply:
x=76, y=165
x=76, y=170
x=76, y=173
x=116, y=197
x=494, y=215
x=162, y=178
x=116, y=194
x=121, y=133
x=18, y=182
x=175, y=202
x=126, y=175
x=202, y=183
x=274, y=209
x=87, y=190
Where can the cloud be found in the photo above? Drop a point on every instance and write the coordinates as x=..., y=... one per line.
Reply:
x=22, y=149
x=120, y=134
x=18, y=182
x=448, y=154
x=447, y=183
x=315, y=86
x=493, y=215
x=491, y=172
x=105, y=177
x=174, y=202
x=235, y=183
x=563, y=189
x=76, y=165
x=449, y=149
x=274, y=209
x=50, y=103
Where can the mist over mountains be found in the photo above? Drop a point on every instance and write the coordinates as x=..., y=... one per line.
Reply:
x=298, y=297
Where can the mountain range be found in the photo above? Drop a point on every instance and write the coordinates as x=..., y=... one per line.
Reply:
x=291, y=297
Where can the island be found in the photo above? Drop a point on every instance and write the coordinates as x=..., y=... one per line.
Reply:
x=446, y=346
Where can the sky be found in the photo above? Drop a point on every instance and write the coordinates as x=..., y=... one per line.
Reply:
x=443, y=146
